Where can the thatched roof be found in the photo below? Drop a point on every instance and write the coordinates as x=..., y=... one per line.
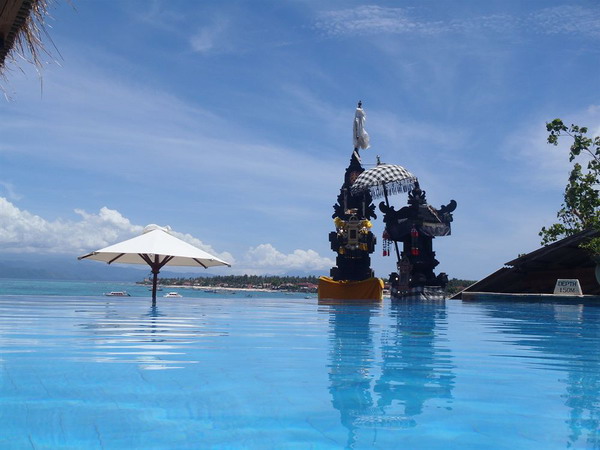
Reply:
x=21, y=25
x=537, y=272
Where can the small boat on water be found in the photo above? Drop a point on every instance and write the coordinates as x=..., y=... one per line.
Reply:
x=117, y=294
x=173, y=295
x=210, y=291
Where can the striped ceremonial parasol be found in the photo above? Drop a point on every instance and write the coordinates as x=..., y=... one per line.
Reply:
x=384, y=179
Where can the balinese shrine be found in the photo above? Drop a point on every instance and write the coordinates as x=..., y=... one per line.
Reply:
x=412, y=227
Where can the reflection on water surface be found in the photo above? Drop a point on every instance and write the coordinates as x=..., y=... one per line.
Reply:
x=274, y=372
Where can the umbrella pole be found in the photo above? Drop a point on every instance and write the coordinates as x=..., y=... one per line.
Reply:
x=154, y=284
x=387, y=203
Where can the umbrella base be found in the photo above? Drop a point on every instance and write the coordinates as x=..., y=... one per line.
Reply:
x=369, y=289
x=419, y=293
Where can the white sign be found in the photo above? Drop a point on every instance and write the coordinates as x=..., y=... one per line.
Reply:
x=567, y=287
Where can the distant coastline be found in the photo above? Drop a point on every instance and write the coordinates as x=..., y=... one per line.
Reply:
x=264, y=283
x=217, y=288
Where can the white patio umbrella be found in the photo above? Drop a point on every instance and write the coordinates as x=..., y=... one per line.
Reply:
x=157, y=248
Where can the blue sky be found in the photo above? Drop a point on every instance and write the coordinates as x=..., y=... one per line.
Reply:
x=231, y=122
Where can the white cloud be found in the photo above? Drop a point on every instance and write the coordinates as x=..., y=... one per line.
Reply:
x=540, y=163
x=10, y=190
x=153, y=134
x=226, y=256
x=372, y=19
x=593, y=111
x=267, y=257
x=22, y=231
x=159, y=15
x=568, y=19
x=209, y=38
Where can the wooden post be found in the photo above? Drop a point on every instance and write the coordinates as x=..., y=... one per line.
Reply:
x=154, y=284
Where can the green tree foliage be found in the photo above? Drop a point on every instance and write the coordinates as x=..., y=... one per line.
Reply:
x=456, y=285
x=243, y=281
x=581, y=206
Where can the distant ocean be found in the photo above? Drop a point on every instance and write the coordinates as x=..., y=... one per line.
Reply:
x=10, y=286
x=66, y=288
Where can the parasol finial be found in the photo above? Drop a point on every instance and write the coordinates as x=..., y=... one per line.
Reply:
x=360, y=103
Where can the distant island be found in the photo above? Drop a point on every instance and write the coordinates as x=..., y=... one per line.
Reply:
x=266, y=282
x=270, y=282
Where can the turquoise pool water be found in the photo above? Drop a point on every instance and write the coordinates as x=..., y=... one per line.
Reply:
x=287, y=372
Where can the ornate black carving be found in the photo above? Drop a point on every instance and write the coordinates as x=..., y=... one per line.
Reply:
x=362, y=203
x=415, y=226
x=353, y=240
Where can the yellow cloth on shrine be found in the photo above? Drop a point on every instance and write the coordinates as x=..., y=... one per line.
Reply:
x=369, y=289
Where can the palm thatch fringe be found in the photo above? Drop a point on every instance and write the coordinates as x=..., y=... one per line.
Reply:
x=393, y=187
x=21, y=27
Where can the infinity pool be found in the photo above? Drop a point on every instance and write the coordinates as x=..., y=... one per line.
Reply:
x=285, y=372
